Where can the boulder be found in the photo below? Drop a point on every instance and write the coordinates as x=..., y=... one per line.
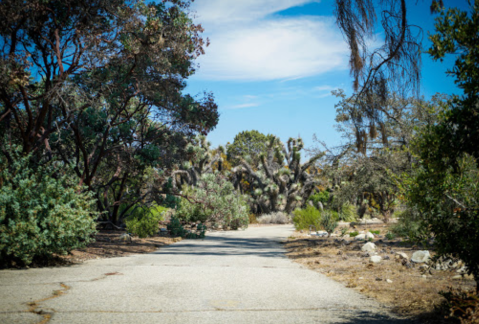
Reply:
x=401, y=256
x=389, y=281
x=375, y=259
x=368, y=247
x=420, y=256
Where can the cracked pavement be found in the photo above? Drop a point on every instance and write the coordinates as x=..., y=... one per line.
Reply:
x=233, y=277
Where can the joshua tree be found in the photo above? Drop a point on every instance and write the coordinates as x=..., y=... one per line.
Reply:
x=201, y=161
x=282, y=182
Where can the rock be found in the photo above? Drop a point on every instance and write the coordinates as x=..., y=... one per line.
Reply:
x=424, y=276
x=386, y=257
x=420, y=256
x=368, y=247
x=432, y=271
x=458, y=277
x=375, y=259
x=401, y=256
x=462, y=270
x=360, y=278
x=389, y=281
x=378, y=279
x=366, y=255
x=364, y=237
x=163, y=230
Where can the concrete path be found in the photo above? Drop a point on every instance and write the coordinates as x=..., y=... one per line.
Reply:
x=230, y=277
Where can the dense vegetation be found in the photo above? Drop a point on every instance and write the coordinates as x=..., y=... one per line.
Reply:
x=95, y=127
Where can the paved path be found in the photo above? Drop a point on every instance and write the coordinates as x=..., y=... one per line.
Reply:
x=230, y=277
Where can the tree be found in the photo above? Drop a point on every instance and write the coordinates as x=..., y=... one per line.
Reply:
x=444, y=186
x=99, y=85
x=282, y=182
x=248, y=145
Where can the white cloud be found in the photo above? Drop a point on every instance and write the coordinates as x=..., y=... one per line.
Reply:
x=246, y=105
x=221, y=12
x=249, y=45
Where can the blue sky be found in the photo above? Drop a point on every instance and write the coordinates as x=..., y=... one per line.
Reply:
x=273, y=63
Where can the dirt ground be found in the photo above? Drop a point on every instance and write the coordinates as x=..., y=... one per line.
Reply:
x=406, y=288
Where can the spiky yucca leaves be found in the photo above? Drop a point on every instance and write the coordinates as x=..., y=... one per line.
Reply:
x=281, y=183
x=201, y=161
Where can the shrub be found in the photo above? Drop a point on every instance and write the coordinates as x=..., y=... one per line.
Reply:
x=252, y=218
x=390, y=236
x=143, y=221
x=460, y=305
x=304, y=218
x=410, y=226
x=353, y=234
x=214, y=200
x=348, y=213
x=274, y=218
x=322, y=196
x=328, y=222
x=375, y=232
x=175, y=227
x=42, y=211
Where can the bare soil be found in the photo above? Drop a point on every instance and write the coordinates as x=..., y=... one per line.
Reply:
x=405, y=288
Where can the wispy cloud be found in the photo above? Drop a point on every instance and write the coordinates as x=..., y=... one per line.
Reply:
x=249, y=45
x=246, y=105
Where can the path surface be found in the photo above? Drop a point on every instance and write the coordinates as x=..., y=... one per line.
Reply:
x=230, y=277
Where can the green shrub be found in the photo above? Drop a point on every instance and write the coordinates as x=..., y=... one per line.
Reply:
x=143, y=221
x=349, y=213
x=328, y=222
x=390, y=236
x=304, y=218
x=375, y=232
x=175, y=227
x=322, y=196
x=353, y=234
x=42, y=211
x=214, y=200
x=410, y=226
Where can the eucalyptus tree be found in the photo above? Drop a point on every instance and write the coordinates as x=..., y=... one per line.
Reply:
x=281, y=183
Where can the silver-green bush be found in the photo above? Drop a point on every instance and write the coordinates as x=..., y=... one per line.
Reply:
x=42, y=211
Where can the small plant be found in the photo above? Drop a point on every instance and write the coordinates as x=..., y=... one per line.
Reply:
x=252, y=218
x=175, y=227
x=460, y=305
x=375, y=232
x=348, y=213
x=344, y=231
x=353, y=234
x=390, y=236
x=328, y=222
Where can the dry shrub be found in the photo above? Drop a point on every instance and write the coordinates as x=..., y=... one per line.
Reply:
x=274, y=218
x=460, y=305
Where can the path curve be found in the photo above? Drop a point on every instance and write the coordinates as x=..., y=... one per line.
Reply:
x=229, y=277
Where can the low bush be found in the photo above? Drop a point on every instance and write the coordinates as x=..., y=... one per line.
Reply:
x=375, y=232
x=215, y=201
x=304, y=218
x=42, y=211
x=353, y=234
x=328, y=222
x=143, y=221
x=460, y=305
x=175, y=227
x=274, y=218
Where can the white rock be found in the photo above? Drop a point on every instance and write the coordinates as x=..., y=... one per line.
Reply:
x=458, y=277
x=368, y=247
x=364, y=237
x=420, y=256
x=375, y=259
x=389, y=281
x=401, y=255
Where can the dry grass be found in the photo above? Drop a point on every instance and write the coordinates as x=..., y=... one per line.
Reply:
x=410, y=293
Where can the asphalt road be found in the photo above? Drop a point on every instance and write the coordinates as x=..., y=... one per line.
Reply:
x=229, y=277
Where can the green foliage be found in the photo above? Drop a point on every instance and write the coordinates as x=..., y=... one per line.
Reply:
x=42, y=210
x=175, y=228
x=390, y=236
x=328, y=222
x=375, y=232
x=143, y=221
x=353, y=234
x=348, y=213
x=411, y=227
x=344, y=231
x=304, y=218
x=214, y=200
x=249, y=144
x=320, y=196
